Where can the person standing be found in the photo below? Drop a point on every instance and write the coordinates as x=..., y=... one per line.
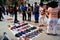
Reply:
x=32, y=8
x=42, y=15
x=11, y=10
x=36, y=12
x=3, y=9
x=52, y=14
x=15, y=12
x=23, y=8
x=0, y=13
x=29, y=12
x=7, y=10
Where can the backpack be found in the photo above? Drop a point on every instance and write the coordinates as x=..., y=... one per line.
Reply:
x=29, y=8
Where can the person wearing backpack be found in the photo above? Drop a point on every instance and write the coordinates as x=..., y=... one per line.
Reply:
x=29, y=12
x=36, y=12
x=23, y=9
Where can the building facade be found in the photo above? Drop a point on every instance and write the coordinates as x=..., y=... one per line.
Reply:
x=8, y=2
x=38, y=1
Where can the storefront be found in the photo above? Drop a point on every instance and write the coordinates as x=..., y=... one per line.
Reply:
x=38, y=1
x=32, y=1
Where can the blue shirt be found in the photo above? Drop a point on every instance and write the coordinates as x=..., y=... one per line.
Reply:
x=22, y=8
x=36, y=14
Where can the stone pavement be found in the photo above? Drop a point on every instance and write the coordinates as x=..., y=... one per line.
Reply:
x=42, y=36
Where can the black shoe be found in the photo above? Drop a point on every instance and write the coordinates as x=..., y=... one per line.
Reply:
x=29, y=20
x=48, y=33
x=25, y=19
x=16, y=21
x=36, y=22
x=54, y=34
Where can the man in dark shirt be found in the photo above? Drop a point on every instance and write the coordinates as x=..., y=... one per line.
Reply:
x=23, y=9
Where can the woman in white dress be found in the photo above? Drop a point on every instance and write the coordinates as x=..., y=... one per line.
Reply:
x=42, y=15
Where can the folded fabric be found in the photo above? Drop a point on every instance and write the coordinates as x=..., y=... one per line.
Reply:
x=18, y=34
x=32, y=28
x=22, y=32
x=27, y=30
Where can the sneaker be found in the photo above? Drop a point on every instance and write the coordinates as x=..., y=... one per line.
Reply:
x=35, y=22
x=54, y=34
x=41, y=25
x=48, y=33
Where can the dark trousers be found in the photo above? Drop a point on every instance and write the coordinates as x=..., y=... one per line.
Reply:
x=23, y=16
x=3, y=12
x=7, y=12
x=0, y=16
x=15, y=16
x=15, y=20
x=36, y=20
x=29, y=17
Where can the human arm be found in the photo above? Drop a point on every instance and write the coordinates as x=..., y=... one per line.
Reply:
x=47, y=12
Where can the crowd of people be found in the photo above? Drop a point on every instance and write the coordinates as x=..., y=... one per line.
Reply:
x=40, y=12
x=8, y=10
x=5, y=10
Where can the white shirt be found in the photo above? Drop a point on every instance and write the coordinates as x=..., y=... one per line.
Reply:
x=41, y=11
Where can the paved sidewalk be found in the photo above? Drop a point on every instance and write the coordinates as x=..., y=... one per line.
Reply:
x=42, y=36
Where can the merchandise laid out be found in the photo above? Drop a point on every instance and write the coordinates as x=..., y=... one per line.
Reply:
x=23, y=30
